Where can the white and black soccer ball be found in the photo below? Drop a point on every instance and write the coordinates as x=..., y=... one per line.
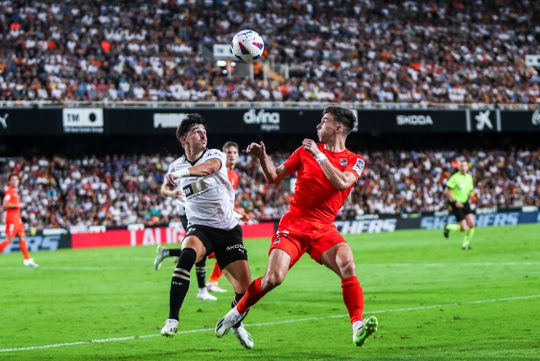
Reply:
x=247, y=46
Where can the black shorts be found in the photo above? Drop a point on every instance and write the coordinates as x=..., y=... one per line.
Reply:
x=460, y=213
x=184, y=221
x=227, y=245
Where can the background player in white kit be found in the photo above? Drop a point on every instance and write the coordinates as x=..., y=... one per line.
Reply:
x=201, y=173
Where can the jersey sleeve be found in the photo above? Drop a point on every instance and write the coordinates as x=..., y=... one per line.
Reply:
x=294, y=161
x=216, y=154
x=7, y=197
x=355, y=165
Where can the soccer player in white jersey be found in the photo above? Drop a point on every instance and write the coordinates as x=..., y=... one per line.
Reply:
x=202, y=175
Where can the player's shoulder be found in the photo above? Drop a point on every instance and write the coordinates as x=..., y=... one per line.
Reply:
x=177, y=163
x=213, y=153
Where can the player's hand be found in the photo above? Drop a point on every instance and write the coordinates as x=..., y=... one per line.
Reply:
x=178, y=194
x=311, y=146
x=171, y=182
x=21, y=205
x=459, y=205
x=257, y=150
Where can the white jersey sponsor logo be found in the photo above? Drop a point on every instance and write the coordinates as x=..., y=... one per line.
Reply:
x=209, y=200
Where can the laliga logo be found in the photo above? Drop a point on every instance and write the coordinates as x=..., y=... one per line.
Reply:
x=536, y=117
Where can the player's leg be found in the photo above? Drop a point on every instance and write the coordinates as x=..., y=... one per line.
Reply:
x=239, y=276
x=212, y=284
x=202, y=293
x=339, y=258
x=163, y=253
x=469, y=233
x=193, y=250
x=454, y=227
x=28, y=262
x=6, y=242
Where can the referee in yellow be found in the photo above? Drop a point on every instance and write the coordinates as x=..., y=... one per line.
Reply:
x=458, y=190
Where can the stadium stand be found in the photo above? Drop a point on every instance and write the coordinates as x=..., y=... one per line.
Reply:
x=392, y=51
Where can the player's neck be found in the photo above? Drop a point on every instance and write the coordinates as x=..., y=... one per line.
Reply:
x=193, y=155
x=336, y=145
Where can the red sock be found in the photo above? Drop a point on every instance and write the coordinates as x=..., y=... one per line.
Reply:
x=253, y=294
x=353, y=296
x=24, y=249
x=3, y=246
x=216, y=274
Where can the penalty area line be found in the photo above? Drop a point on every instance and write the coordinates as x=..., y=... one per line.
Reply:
x=271, y=323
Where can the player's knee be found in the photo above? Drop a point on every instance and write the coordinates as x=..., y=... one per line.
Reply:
x=463, y=227
x=274, y=279
x=347, y=269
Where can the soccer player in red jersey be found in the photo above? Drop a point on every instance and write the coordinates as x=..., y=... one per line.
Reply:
x=326, y=173
x=14, y=223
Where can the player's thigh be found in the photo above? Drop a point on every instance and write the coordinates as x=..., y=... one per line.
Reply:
x=239, y=275
x=463, y=224
x=279, y=263
x=195, y=243
x=469, y=219
x=339, y=258
x=11, y=231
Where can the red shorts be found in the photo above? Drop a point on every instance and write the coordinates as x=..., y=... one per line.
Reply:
x=14, y=228
x=297, y=236
x=211, y=255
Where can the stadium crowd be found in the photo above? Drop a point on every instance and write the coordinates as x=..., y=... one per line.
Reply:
x=360, y=51
x=119, y=190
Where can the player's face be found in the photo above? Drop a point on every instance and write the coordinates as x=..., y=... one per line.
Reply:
x=232, y=156
x=463, y=167
x=326, y=129
x=196, y=137
x=14, y=181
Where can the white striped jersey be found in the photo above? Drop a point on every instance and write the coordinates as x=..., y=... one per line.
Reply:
x=210, y=199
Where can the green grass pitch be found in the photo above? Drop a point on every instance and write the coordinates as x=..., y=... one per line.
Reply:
x=433, y=301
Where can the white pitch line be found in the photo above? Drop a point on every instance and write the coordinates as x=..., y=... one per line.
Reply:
x=259, y=324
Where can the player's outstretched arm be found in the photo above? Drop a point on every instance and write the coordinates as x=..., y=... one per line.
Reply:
x=272, y=173
x=9, y=205
x=340, y=180
x=200, y=170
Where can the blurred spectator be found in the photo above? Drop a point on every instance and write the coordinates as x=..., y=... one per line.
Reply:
x=357, y=51
x=123, y=189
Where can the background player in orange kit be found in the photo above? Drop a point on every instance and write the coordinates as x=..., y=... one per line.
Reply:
x=14, y=223
x=326, y=173
x=231, y=150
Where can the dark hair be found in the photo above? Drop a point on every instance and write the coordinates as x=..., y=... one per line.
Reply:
x=12, y=175
x=343, y=116
x=186, y=124
x=230, y=143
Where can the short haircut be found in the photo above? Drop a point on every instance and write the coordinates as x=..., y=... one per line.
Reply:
x=12, y=175
x=229, y=144
x=189, y=121
x=343, y=116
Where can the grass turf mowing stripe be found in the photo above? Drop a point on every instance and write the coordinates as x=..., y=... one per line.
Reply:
x=259, y=324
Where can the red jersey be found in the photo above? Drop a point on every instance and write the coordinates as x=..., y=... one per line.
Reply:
x=13, y=215
x=233, y=177
x=315, y=198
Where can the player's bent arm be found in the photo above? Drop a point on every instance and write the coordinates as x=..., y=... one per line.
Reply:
x=166, y=190
x=272, y=173
x=200, y=170
x=8, y=205
x=340, y=180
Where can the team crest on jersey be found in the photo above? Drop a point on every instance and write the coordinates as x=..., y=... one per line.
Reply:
x=359, y=166
x=343, y=162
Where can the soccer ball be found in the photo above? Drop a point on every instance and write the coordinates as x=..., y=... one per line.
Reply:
x=247, y=46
